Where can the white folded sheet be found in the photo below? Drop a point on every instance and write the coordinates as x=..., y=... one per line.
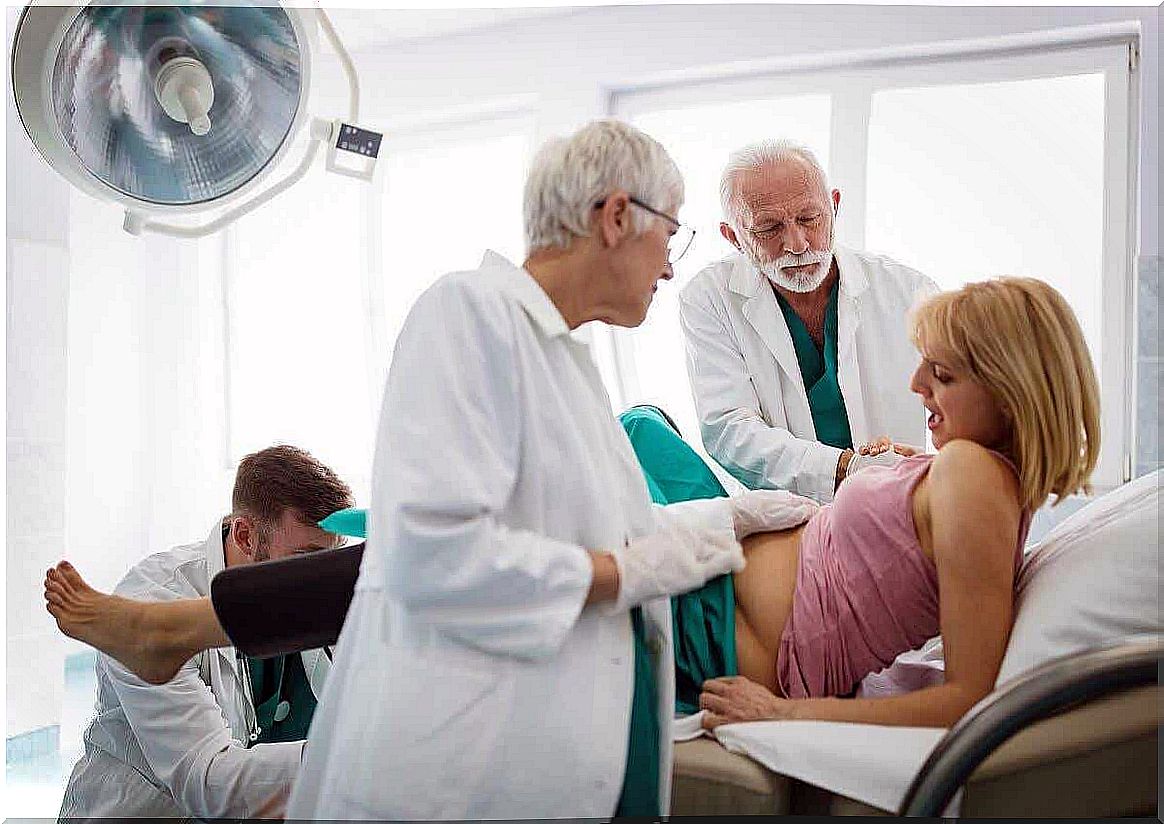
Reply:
x=687, y=727
x=866, y=762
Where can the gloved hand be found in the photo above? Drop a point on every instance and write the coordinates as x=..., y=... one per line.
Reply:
x=768, y=510
x=677, y=558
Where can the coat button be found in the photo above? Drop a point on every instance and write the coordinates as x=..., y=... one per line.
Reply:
x=254, y=736
x=616, y=661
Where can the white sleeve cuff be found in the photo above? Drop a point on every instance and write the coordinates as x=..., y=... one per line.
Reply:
x=818, y=478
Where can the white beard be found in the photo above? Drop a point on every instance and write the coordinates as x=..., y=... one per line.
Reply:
x=805, y=281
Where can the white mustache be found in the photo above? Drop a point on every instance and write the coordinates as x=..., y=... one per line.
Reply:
x=808, y=258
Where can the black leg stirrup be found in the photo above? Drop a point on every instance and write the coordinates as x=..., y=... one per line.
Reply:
x=288, y=605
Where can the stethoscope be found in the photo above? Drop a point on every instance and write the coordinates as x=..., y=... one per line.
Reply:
x=282, y=706
x=244, y=674
x=282, y=709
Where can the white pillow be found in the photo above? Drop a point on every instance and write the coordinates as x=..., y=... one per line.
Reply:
x=1094, y=579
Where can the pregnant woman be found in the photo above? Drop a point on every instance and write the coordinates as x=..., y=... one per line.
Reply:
x=931, y=544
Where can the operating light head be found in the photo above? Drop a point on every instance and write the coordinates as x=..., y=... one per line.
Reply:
x=153, y=140
x=163, y=108
x=174, y=108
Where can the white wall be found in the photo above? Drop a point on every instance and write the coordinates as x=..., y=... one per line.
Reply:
x=115, y=442
x=1148, y=362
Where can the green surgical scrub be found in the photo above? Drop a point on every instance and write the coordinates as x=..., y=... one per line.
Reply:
x=640, y=785
x=819, y=371
x=284, y=702
x=704, y=620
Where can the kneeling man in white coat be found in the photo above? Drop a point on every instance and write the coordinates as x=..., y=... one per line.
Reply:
x=797, y=350
x=224, y=737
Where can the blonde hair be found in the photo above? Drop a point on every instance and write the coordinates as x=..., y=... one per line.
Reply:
x=1019, y=339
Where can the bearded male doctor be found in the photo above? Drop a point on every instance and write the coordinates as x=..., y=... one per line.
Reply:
x=224, y=737
x=798, y=350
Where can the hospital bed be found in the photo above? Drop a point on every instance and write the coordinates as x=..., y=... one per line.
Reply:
x=1077, y=737
x=1071, y=729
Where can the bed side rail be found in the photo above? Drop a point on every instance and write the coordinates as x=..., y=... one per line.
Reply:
x=1041, y=693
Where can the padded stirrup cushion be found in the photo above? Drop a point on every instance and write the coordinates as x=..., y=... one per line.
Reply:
x=287, y=605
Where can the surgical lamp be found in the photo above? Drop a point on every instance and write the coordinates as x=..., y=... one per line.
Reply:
x=173, y=109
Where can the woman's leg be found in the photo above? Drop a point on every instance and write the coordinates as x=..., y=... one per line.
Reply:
x=152, y=639
x=264, y=609
x=763, y=595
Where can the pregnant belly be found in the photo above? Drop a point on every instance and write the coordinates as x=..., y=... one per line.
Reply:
x=763, y=592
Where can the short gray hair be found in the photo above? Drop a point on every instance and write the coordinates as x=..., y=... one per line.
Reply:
x=569, y=175
x=756, y=156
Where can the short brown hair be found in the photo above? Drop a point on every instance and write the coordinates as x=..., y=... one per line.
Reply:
x=1019, y=338
x=282, y=477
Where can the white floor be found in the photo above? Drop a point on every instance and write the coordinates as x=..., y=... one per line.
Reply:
x=34, y=786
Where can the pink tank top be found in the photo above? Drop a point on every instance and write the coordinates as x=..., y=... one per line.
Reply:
x=865, y=590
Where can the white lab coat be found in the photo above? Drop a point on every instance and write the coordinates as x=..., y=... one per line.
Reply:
x=749, y=395
x=470, y=682
x=176, y=750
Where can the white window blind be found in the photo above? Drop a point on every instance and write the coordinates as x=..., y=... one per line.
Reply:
x=449, y=193
x=296, y=275
x=320, y=282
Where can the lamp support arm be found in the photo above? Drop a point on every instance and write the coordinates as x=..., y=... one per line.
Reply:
x=346, y=62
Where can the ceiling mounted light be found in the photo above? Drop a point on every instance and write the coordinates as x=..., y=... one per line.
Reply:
x=172, y=109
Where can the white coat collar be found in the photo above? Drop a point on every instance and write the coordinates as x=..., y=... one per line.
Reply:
x=216, y=563
x=215, y=553
x=520, y=284
x=851, y=273
x=763, y=313
x=853, y=282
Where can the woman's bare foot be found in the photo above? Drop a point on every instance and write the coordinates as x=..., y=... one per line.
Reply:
x=119, y=627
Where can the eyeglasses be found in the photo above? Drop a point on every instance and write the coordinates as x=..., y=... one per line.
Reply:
x=678, y=243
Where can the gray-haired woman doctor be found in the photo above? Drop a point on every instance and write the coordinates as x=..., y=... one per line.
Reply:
x=507, y=651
